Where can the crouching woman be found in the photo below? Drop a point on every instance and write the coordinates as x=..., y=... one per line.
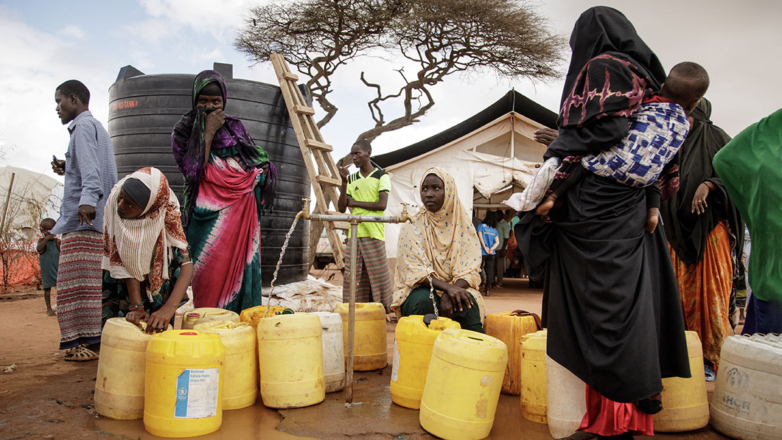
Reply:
x=144, y=247
x=440, y=249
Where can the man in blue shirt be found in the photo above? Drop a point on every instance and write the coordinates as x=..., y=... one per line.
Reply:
x=90, y=173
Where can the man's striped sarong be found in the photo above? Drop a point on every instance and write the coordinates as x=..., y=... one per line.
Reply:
x=373, y=282
x=79, y=283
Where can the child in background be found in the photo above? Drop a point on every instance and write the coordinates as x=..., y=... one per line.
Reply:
x=657, y=130
x=49, y=257
x=489, y=240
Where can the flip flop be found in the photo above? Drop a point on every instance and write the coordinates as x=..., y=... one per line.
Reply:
x=82, y=354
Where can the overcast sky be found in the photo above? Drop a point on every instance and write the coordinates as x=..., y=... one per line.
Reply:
x=47, y=42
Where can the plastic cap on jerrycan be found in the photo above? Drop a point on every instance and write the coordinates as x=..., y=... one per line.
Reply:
x=474, y=361
x=532, y=375
x=413, y=343
x=685, y=403
x=204, y=314
x=509, y=327
x=290, y=352
x=183, y=393
x=333, y=351
x=370, y=347
x=119, y=385
x=241, y=361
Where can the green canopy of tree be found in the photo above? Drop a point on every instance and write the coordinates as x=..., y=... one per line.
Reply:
x=508, y=38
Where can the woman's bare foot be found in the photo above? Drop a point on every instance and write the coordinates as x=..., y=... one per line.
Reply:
x=546, y=206
x=50, y=312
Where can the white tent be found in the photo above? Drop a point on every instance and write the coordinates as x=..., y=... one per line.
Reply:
x=34, y=196
x=490, y=155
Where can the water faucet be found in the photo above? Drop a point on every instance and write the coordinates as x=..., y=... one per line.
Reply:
x=404, y=216
x=305, y=211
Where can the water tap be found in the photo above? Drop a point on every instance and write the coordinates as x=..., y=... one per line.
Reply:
x=305, y=211
x=404, y=216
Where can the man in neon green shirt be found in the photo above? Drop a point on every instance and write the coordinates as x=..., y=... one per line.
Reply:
x=365, y=192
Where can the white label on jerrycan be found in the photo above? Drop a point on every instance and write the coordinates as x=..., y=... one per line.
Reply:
x=395, y=369
x=196, y=393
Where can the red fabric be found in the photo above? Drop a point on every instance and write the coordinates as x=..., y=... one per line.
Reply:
x=656, y=98
x=606, y=417
x=235, y=237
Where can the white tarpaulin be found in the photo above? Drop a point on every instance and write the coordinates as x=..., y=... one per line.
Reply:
x=493, y=173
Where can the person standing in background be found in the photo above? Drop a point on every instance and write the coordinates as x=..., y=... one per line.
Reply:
x=90, y=173
x=705, y=235
x=365, y=192
x=503, y=230
x=48, y=258
x=489, y=241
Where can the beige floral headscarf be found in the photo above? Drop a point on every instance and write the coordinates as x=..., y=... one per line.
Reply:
x=443, y=244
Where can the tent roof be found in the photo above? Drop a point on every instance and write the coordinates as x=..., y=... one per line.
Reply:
x=513, y=101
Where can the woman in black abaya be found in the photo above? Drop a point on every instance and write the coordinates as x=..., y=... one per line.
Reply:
x=611, y=303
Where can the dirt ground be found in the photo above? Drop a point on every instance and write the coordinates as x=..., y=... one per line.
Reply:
x=46, y=397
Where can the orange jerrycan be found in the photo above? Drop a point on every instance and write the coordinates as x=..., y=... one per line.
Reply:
x=509, y=327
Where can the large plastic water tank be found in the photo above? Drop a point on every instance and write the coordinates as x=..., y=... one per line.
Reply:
x=143, y=110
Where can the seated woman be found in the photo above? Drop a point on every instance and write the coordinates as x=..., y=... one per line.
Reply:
x=144, y=247
x=440, y=250
x=228, y=180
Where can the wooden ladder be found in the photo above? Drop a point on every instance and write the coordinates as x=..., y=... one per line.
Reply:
x=322, y=170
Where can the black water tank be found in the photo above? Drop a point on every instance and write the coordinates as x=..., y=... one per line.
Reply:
x=143, y=110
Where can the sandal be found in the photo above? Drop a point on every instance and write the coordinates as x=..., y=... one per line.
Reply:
x=82, y=354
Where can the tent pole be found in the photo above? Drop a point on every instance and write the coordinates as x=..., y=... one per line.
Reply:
x=7, y=199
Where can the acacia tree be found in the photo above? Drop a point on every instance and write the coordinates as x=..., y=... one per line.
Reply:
x=440, y=37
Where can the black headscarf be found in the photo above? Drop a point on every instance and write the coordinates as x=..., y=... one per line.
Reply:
x=600, y=30
x=608, y=54
x=687, y=231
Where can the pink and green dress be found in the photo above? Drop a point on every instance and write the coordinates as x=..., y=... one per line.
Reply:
x=223, y=206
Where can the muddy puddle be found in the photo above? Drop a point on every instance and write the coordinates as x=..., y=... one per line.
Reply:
x=255, y=422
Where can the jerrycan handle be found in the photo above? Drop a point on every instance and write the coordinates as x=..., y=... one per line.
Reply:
x=526, y=313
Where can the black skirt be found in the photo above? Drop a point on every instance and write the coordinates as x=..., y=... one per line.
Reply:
x=611, y=302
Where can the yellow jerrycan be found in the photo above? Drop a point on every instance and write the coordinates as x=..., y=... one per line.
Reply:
x=240, y=388
x=532, y=376
x=370, y=346
x=119, y=385
x=291, y=358
x=183, y=393
x=204, y=314
x=333, y=351
x=685, y=403
x=463, y=385
x=509, y=327
x=413, y=344
x=255, y=314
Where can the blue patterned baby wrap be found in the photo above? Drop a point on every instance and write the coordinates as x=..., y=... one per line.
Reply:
x=657, y=131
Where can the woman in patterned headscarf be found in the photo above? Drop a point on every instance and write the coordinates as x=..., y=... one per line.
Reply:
x=440, y=250
x=145, y=249
x=228, y=180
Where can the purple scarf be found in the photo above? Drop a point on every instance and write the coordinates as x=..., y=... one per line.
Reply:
x=189, y=146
